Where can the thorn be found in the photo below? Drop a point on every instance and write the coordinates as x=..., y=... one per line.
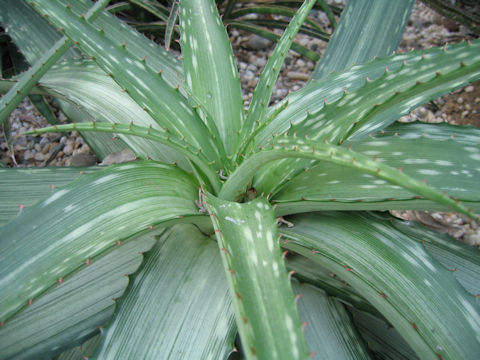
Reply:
x=290, y=274
x=413, y=325
x=29, y=302
x=60, y=280
x=231, y=271
x=382, y=294
x=244, y=319
x=144, y=59
x=87, y=262
x=119, y=243
x=238, y=295
x=284, y=254
x=297, y=298
x=348, y=269
x=305, y=324
x=102, y=29
x=315, y=251
x=223, y=249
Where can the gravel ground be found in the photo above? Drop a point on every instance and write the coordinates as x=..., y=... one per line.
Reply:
x=425, y=29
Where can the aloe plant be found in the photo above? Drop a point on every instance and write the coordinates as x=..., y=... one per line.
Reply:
x=212, y=183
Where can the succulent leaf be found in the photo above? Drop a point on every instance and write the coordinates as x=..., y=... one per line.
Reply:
x=30, y=78
x=421, y=299
x=378, y=102
x=203, y=39
x=263, y=91
x=264, y=303
x=188, y=311
x=140, y=81
x=329, y=330
x=87, y=299
x=367, y=29
x=432, y=157
x=21, y=188
x=124, y=200
x=286, y=146
x=162, y=136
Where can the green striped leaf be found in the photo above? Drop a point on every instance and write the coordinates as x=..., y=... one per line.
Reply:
x=162, y=136
x=285, y=146
x=30, y=78
x=104, y=100
x=463, y=260
x=139, y=80
x=86, y=300
x=265, y=310
x=57, y=236
x=380, y=102
x=329, y=331
x=210, y=68
x=425, y=151
x=415, y=293
x=367, y=29
x=177, y=306
x=263, y=91
x=383, y=339
x=22, y=188
x=82, y=351
x=307, y=271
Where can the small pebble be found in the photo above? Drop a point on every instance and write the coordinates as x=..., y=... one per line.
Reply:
x=469, y=89
x=68, y=150
x=39, y=156
x=83, y=159
x=257, y=42
x=28, y=155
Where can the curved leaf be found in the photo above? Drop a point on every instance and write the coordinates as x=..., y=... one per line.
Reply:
x=85, y=219
x=285, y=146
x=104, y=100
x=425, y=151
x=21, y=188
x=162, y=136
x=332, y=107
x=138, y=79
x=263, y=91
x=420, y=298
x=177, y=306
x=30, y=77
x=86, y=300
